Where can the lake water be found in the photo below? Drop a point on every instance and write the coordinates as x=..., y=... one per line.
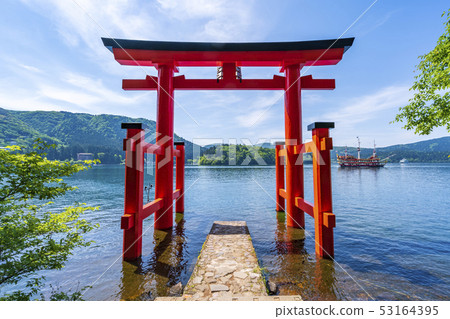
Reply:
x=392, y=240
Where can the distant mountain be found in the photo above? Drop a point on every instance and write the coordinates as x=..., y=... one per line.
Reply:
x=263, y=145
x=211, y=145
x=433, y=150
x=102, y=135
x=441, y=144
x=73, y=133
x=266, y=145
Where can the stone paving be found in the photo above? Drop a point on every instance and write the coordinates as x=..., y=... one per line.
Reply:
x=227, y=269
x=227, y=265
x=239, y=298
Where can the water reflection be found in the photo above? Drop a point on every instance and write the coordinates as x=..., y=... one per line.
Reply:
x=153, y=275
x=295, y=271
x=325, y=280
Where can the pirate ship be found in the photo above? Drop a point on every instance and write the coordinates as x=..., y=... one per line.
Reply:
x=347, y=160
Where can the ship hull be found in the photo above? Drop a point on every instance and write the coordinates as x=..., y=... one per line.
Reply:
x=354, y=162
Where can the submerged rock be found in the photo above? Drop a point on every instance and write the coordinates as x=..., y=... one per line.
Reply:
x=176, y=290
x=272, y=287
x=147, y=296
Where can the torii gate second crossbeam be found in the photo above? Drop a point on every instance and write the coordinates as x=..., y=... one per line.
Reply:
x=290, y=57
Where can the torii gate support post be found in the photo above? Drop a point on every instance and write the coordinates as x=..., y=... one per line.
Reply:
x=321, y=209
x=293, y=135
x=179, y=184
x=134, y=181
x=164, y=138
x=279, y=176
x=324, y=219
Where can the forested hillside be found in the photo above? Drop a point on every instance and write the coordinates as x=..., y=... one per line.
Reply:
x=102, y=135
x=72, y=133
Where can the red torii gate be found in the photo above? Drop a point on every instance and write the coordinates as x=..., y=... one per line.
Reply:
x=166, y=57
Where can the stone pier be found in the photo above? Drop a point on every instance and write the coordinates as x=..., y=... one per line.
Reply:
x=227, y=268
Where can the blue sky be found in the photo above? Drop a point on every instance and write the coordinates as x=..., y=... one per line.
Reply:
x=52, y=58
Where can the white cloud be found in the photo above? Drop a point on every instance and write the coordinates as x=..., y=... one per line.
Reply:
x=364, y=108
x=368, y=117
x=29, y=68
x=21, y=100
x=248, y=119
x=73, y=92
x=91, y=95
x=82, y=23
x=75, y=97
x=225, y=20
x=96, y=88
x=193, y=8
x=260, y=109
x=367, y=26
x=309, y=98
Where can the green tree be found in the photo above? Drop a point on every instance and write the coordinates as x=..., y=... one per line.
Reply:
x=31, y=238
x=255, y=153
x=430, y=105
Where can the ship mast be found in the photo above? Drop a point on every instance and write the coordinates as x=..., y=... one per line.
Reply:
x=345, y=151
x=359, y=148
x=374, y=149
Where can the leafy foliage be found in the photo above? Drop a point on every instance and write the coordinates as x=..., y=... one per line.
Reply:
x=31, y=238
x=237, y=155
x=430, y=105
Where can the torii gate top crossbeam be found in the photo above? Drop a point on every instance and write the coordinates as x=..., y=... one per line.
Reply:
x=278, y=54
x=228, y=56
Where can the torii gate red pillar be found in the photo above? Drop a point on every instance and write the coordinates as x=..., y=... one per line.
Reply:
x=164, y=138
x=293, y=135
x=134, y=180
